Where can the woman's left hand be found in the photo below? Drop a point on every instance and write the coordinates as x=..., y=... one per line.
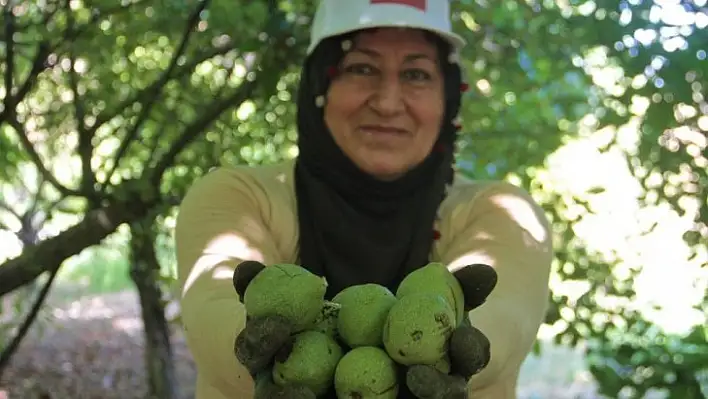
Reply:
x=468, y=349
x=469, y=354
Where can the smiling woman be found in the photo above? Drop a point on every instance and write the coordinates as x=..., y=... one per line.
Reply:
x=371, y=198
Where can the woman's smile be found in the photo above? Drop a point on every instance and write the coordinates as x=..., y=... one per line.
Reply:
x=383, y=133
x=383, y=130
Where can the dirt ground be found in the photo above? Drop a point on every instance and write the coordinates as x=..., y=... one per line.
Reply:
x=92, y=349
x=89, y=349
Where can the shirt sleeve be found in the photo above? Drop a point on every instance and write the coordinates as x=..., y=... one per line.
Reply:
x=218, y=226
x=500, y=225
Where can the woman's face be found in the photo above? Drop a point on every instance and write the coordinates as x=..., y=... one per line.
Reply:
x=385, y=107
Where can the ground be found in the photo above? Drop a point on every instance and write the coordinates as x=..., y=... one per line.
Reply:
x=91, y=348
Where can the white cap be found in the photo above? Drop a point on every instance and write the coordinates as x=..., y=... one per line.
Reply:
x=336, y=17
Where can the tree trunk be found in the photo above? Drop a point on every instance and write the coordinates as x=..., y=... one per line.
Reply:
x=145, y=269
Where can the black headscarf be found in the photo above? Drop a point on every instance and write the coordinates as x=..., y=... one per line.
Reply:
x=356, y=229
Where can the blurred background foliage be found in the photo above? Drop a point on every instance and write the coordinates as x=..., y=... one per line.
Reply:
x=111, y=109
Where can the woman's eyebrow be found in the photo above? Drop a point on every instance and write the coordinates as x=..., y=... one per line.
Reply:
x=375, y=54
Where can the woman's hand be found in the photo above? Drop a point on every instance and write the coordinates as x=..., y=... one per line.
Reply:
x=262, y=340
x=469, y=348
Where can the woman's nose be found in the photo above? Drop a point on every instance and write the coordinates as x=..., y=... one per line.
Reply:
x=387, y=96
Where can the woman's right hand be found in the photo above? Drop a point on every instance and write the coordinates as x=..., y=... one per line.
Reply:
x=263, y=337
x=262, y=340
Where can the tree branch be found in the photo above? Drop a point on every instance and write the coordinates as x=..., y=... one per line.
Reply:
x=44, y=48
x=37, y=197
x=85, y=148
x=96, y=15
x=9, y=17
x=192, y=131
x=48, y=15
x=43, y=51
x=12, y=347
x=11, y=100
x=61, y=206
x=273, y=56
x=161, y=81
x=40, y=57
x=169, y=116
x=172, y=116
x=5, y=227
x=37, y=160
x=50, y=253
x=144, y=94
x=5, y=206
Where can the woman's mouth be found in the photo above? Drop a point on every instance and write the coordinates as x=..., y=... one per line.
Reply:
x=382, y=130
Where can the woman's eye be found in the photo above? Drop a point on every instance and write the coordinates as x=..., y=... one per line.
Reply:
x=359, y=69
x=416, y=75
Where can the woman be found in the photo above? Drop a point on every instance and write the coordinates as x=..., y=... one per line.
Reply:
x=371, y=196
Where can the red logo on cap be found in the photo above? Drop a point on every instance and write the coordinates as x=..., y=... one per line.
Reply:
x=419, y=4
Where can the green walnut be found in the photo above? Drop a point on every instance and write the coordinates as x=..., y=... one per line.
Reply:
x=418, y=328
x=290, y=291
x=435, y=278
x=363, y=313
x=311, y=362
x=366, y=372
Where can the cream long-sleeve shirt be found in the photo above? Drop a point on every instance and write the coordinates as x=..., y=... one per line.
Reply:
x=238, y=213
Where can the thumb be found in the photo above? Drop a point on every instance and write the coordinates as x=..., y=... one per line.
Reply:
x=244, y=273
x=477, y=282
x=469, y=350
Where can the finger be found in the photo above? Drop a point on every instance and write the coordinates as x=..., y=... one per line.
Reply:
x=426, y=382
x=266, y=388
x=260, y=340
x=423, y=381
x=404, y=392
x=456, y=388
x=263, y=384
x=477, y=282
x=244, y=273
x=469, y=351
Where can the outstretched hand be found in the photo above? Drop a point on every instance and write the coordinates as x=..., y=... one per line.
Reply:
x=468, y=348
x=263, y=340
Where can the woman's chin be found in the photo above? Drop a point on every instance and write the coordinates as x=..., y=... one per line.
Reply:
x=385, y=171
